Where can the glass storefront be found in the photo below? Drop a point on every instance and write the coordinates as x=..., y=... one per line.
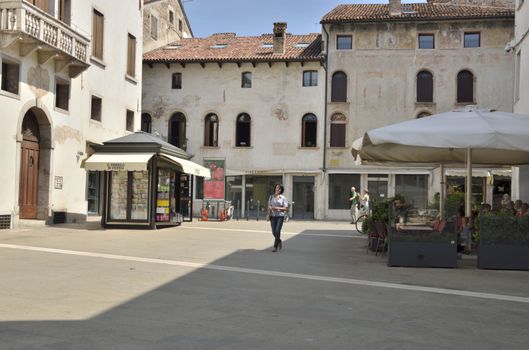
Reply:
x=234, y=190
x=167, y=196
x=257, y=191
x=129, y=195
x=92, y=195
x=414, y=189
x=340, y=189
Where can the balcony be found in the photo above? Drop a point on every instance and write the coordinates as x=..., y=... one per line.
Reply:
x=35, y=30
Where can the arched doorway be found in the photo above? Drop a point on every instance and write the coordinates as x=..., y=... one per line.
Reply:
x=34, y=165
x=177, y=130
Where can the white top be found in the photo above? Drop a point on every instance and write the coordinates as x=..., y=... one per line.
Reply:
x=280, y=201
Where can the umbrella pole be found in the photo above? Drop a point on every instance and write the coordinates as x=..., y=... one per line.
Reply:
x=468, y=184
x=442, y=194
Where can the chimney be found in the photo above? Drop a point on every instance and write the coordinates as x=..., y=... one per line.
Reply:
x=279, y=37
x=394, y=8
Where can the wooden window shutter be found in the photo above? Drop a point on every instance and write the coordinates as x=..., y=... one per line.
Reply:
x=465, y=87
x=97, y=35
x=339, y=87
x=424, y=87
x=131, y=60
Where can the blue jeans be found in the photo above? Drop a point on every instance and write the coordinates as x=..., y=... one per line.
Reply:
x=277, y=223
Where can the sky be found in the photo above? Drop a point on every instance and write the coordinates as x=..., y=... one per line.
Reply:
x=256, y=17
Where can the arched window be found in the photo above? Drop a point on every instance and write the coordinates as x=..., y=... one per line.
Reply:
x=146, y=122
x=177, y=130
x=338, y=127
x=339, y=87
x=424, y=86
x=211, y=130
x=309, y=130
x=465, y=87
x=423, y=114
x=242, y=130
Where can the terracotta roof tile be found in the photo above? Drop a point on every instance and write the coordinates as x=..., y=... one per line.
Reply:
x=227, y=47
x=423, y=11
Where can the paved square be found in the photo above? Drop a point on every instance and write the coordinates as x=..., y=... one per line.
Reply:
x=217, y=285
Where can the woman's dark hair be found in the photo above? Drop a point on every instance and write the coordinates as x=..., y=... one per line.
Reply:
x=281, y=187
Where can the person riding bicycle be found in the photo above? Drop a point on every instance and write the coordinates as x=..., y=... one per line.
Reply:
x=355, y=201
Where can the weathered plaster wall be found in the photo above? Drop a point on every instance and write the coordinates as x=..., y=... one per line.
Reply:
x=72, y=129
x=167, y=32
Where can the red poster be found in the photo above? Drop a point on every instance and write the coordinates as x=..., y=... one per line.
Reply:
x=214, y=186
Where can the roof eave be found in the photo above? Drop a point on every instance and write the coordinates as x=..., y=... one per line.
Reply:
x=414, y=19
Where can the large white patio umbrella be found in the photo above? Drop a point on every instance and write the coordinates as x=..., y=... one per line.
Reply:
x=471, y=136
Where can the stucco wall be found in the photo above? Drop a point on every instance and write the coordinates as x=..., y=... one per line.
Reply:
x=167, y=32
x=72, y=129
x=383, y=64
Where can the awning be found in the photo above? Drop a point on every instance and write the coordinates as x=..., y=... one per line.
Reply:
x=189, y=167
x=476, y=172
x=118, y=161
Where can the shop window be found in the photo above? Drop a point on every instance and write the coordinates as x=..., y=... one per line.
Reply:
x=424, y=86
x=211, y=130
x=243, y=130
x=310, y=78
x=465, y=87
x=98, y=21
x=246, y=80
x=131, y=56
x=130, y=120
x=340, y=189
x=309, y=130
x=257, y=191
x=129, y=193
x=62, y=94
x=176, y=82
x=426, y=41
x=339, y=87
x=199, y=187
x=146, y=122
x=234, y=190
x=10, y=76
x=344, y=42
x=414, y=189
x=338, y=128
x=96, y=107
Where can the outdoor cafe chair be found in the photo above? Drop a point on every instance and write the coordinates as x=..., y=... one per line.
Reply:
x=382, y=233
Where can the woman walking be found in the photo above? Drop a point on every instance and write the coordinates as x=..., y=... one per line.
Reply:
x=278, y=206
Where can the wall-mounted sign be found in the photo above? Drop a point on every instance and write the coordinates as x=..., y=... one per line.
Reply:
x=58, y=182
x=115, y=166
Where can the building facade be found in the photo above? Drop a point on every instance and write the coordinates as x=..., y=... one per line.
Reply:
x=70, y=78
x=251, y=106
x=164, y=21
x=394, y=62
x=520, y=47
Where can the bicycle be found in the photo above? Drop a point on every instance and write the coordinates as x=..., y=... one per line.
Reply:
x=363, y=214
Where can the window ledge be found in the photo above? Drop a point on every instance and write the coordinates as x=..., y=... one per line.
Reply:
x=462, y=104
x=339, y=147
x=60, y=110
x=425, y=104
x=209, y=147
x=339, y=102
x=95, y=122
x=243, y=147
x=131, y=79
x=10, y=94
x=98, y=62
x=309, y=148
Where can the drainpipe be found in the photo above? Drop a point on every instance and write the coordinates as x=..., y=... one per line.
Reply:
x=326, y=67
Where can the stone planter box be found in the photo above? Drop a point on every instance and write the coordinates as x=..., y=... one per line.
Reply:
x=422, y=254
x=503, y=257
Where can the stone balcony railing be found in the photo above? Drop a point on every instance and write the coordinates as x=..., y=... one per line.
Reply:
x=22, y=21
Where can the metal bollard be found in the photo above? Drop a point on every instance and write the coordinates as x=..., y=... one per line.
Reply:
x=247, y=210
x=258, y=210
x=238, y=209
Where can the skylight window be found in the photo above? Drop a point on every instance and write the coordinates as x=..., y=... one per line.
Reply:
x=173, y=46
x=218, y=46
x=267, y=45
x=407, y=8
x=302, y=45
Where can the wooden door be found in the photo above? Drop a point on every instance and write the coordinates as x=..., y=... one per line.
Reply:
x=29, y=182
